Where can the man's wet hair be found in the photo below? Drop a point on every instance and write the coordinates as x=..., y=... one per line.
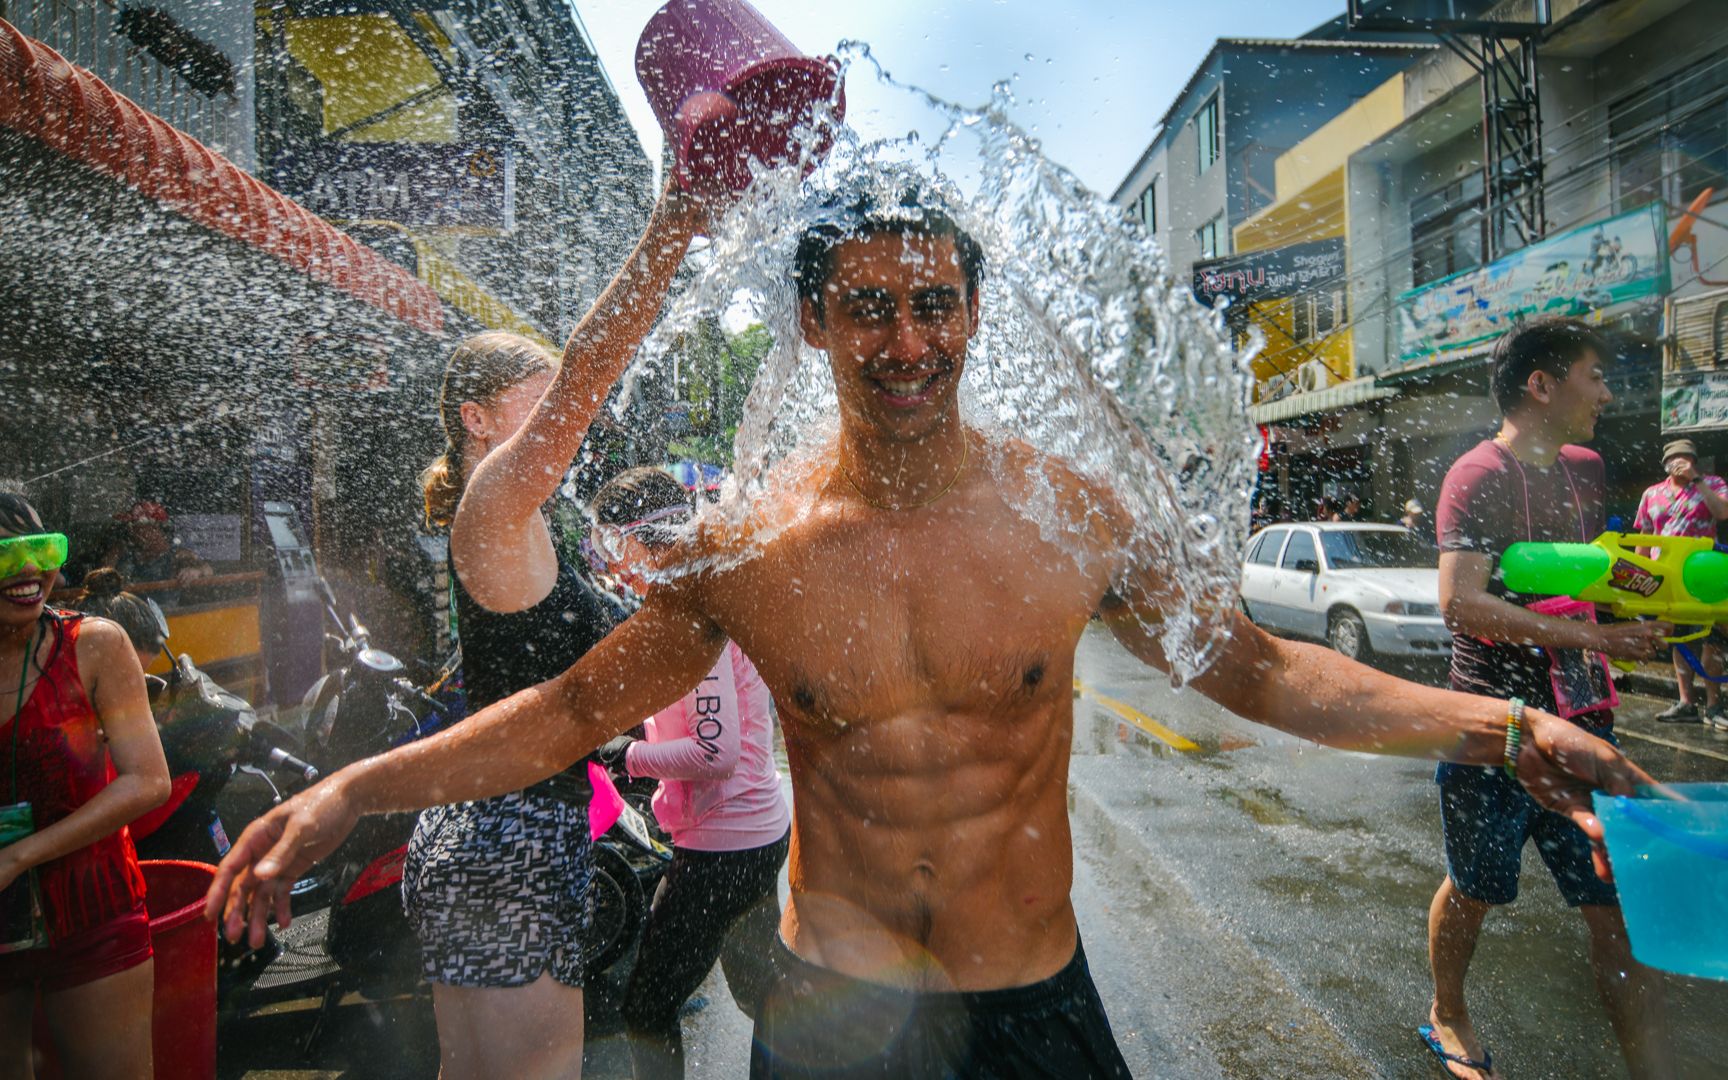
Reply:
x=1550, y=345
x=914, y=213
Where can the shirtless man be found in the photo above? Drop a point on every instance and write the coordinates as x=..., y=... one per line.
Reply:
x=918, y=635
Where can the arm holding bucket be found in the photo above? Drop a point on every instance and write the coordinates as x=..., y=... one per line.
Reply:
x=501, y=545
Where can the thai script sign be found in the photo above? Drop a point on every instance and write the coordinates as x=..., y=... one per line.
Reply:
x=1267, y=275
x=422, y=184
x=1581, y=270
x=1698, y=402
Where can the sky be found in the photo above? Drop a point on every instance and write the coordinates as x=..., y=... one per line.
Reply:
x=1093, y=76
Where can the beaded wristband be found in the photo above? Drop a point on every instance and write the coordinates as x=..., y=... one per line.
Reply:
x=1514, y=725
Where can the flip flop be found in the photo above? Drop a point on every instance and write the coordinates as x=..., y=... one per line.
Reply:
x=1432, y=1042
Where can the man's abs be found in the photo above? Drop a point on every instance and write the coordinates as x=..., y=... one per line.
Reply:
x=950, y=876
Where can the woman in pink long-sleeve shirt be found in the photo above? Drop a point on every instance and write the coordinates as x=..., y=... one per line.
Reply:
x=719, y=797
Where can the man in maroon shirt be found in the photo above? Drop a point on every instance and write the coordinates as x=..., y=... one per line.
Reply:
x=1529, y=483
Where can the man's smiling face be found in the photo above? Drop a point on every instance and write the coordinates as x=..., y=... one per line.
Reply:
x=895, y=320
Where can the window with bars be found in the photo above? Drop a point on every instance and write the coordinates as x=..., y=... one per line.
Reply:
x=1670, y=139
x=1315, y=315
x=1448, y=231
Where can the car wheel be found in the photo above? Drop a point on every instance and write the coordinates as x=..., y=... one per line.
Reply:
x=1348, y=635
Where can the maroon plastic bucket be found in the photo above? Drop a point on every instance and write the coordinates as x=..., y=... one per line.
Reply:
x=726, y=87
x=183, y=1017
x=183, y=1009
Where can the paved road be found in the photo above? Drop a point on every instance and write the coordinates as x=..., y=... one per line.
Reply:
x=1287, y=885
x=1253, y=906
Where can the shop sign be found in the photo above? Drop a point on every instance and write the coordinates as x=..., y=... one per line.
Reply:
x=1590, y=268
x=422, y=184
x=216, y=537
x=1700, y=402
x=1270, y=274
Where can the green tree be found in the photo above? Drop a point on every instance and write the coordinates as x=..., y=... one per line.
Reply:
x=714, y=373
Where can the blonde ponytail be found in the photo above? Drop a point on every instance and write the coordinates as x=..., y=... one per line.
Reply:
x=441, y=483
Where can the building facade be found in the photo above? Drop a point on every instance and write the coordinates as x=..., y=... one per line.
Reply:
x=203, y=328
x=1212, y=163
x=1376, y=379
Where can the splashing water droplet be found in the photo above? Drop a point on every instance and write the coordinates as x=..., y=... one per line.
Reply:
x=1086, y=350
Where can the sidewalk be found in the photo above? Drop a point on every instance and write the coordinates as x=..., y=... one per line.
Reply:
x=1651, y=678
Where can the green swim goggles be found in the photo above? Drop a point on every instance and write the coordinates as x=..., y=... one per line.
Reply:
x=44, y=551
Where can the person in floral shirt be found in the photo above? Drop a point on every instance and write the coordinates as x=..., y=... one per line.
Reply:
x=1687, y=503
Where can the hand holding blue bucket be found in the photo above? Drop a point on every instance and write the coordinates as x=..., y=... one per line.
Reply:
x=1670, y=860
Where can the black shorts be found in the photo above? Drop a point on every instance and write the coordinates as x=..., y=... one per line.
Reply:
x=820, y=1023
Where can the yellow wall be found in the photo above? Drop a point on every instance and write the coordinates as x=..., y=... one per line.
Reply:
x=366, y=64
x=1312, y=204
x=1328, y=148
x=211, y=635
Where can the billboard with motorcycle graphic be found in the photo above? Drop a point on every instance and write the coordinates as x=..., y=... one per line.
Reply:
x=1575, y=272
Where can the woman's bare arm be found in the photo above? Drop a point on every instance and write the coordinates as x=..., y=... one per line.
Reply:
x=498, y=540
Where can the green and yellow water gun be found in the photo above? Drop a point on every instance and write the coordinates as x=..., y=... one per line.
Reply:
x=1686, y=584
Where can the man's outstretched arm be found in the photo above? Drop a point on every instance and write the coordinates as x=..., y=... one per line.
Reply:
x=648, y=663
x=1315, y=693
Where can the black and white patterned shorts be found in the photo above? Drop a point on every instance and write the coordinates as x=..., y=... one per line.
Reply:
x=497, y=890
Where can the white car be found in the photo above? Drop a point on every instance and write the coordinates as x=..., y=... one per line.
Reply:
x=1361, y=588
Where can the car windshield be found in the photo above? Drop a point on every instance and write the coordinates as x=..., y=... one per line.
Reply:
x=1377, y=549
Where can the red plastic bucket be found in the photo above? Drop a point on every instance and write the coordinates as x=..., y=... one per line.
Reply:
x=183, y=1019
x=726, y=87
x=183, y=1013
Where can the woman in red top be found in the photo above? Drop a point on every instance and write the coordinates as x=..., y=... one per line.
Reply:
x=76, y=742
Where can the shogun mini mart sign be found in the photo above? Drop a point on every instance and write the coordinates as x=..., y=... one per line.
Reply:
x=409, y=183
x=1571, y=273
x=1267, y=275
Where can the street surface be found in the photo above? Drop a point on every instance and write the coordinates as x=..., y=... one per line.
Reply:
x=1252, y=906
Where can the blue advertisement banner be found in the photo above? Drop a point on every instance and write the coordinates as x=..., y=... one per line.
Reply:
x=1585, y=269
x=415, y=184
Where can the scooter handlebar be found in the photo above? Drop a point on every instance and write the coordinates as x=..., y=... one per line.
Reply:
x=268, y=755
x=282, y=760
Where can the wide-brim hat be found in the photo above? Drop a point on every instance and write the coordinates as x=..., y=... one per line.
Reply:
x=1679, y=448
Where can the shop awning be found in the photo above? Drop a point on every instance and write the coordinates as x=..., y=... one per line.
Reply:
x=67, y=108
x=1331, y=399
x=1429, y=370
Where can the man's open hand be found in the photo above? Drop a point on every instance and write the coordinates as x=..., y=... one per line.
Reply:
x=1560, y=764
x=257, y=873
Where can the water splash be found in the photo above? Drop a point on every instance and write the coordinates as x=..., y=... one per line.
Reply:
x=1087, y=350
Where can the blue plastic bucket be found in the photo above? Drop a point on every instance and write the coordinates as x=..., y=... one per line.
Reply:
x=1670, y=859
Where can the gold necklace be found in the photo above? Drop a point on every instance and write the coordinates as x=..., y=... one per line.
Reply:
x=965, y=452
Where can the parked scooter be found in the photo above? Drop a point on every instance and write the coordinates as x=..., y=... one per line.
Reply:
x=210, y=737
x=364, y=707
x=630, y=858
